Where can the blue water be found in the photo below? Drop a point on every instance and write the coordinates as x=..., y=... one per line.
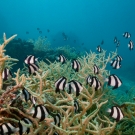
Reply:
x=85, y=21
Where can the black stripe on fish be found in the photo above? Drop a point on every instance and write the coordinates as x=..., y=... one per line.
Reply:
x=130, y=45
x=60, y=84
x=118, y=58
x=116, y=64
x=96, y=69
x=23, y=128
x=40, y=112
x=93, y=81
x=115, y=81
x=7, y=128
x=76, y=65
x=116, y=113
x=76, y=105
x=99, y=49
x=77, y=85
x=57, y=119
x=6, y=74
x=30, y=59
x=126, y=35
x=32, y=68
x=26, y=94
x=62, y=59
x=88, y=79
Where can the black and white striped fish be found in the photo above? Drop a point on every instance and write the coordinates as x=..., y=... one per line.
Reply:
x=76, y=65
x=130, y=45
x=126, y=35
x=76, y=106
x=115, y=40
x=74, y=87
x=32, y=68
x=40, y=112
x=114, y=81
x=55, y=133
x=6, y=74
x=116, y=64
x=30, y=59
x=57, y=119
x=116, y=113
x=61, y=59
x=99, y=49
x=93, y=82
x=60, y=84
x=7, y=128
x=118, y=58
x=22, y=127
x=27, y=96
x=95, y=69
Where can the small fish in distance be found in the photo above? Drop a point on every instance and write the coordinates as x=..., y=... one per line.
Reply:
x=38, y=29
x=115, y=40
x=7, y=128
x=114, y=81
x=27, y=32
x=61, y=59
x=40, y=112
x=95, y=69
x=116, y=113
x=6, y=74
x=99, y=49
x=126, y=35
x=102, y=42
x=23, y=128
x=116, y=64
x=74, y=87
x=40, y=32
x=48, y=30
x=76, y=65
x=93, y=82
x=32, y=68
x=60, y=84
x=131, y=45
x=30, y=59
x=118, y=43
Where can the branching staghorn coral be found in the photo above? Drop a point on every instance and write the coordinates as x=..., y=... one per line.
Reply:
x=87, y=121
x=4, y=58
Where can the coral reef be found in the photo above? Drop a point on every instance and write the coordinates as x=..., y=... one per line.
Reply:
x=90, y=119
x=41, y=48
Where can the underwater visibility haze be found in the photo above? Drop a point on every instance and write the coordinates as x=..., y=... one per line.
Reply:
x=67, y=67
